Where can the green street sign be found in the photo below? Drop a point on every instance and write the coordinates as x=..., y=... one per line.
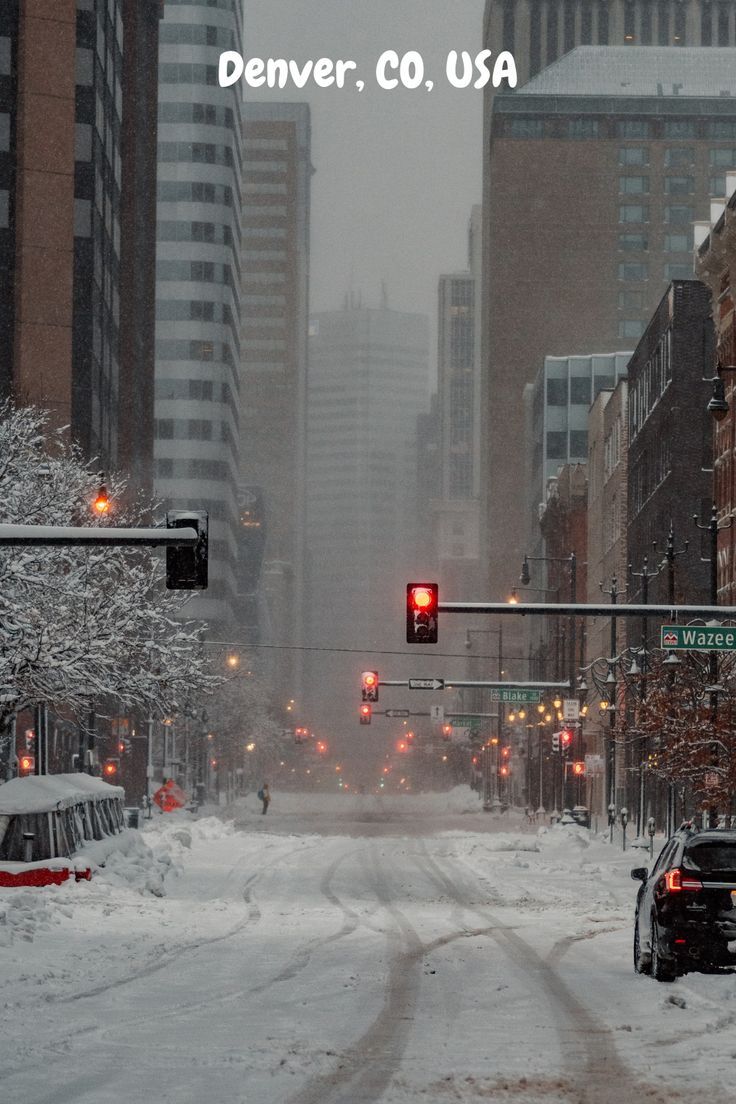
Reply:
x=698, y=638
x=459, y=721
x=532, y=697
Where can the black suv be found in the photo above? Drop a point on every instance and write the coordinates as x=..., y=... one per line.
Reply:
x=686, y=907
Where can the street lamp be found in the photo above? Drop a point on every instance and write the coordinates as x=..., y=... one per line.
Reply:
x=490, y=781
x=718, y=406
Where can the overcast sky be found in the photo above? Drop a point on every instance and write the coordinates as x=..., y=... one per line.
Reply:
x=396, y=171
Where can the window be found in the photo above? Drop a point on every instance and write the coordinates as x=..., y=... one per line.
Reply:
x=580, y=390
x=633, y=128
x=721, y=128
x=717, y=185
x=556, y=445
x=631, y=300
x=633, y=155
x=723, y=158
x=633, y=242
x=674, y=271
x=582, y=128
x=630, y=327
x=164, y=428
x=679, y=185
x=679, y=158
x=677, y=243
x=632, y=270
x=633, y=212
x=4, y=208
x=633, y=184
x=526, y=128
x=556, y=392
x=679, y=128
x=679, y=215
x=578, y=443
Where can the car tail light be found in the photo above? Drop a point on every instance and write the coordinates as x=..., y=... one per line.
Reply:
x=676, y=880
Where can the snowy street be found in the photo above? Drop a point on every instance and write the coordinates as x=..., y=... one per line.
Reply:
x=345, y=950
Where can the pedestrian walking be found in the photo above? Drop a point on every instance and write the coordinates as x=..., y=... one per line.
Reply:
x=264, y=795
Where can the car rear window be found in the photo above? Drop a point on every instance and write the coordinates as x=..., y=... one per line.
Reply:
x=710, y=856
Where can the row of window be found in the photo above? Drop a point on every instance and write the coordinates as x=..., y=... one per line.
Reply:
x=200, y=272
x=673, y=185
x=639, y=270
x=210, y=114
x=722, y=158
x=216, y=233
x=673, y=243
x=191, y=429
x=196, y=34
x=558, y=447
x=649, y=385
x=184, y=72
x=196, y=310
x=193, y=191
x=677, y=214
x=193, y=350
x=593, y=127
x=191, y=469
x=204, y=153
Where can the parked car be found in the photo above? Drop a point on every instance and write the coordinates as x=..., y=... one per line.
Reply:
x=686, y=906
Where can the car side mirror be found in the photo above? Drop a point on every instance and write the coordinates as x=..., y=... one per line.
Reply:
x=640, y=873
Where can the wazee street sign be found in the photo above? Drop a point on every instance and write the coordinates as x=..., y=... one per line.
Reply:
x=698, y=638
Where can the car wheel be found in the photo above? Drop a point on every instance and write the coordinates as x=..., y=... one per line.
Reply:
x=642, y=962
x=662, y=970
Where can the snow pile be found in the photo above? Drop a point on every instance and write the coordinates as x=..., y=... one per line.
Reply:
x=26, y=911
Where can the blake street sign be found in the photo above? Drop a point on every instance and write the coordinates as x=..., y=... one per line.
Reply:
x=699, y=638
x=516, y=696
x=426, y=684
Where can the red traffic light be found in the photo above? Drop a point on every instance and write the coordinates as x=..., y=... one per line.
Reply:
x=422, y=607
x=566, y=737
x=365, y=714
x=27, y=764
x=110, y=768
x=504, y=771
x=369, y=686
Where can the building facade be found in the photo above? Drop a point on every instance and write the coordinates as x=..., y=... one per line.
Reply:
x=198, y=296
x=277, y=173
x=368, y=384
x=70, y=153
x=649, y=134
x=670, y=473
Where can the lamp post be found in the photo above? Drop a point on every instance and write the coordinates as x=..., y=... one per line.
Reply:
x=490, y=767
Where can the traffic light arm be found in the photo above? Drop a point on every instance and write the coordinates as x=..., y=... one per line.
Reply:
x=15, y=536
x=566, y=609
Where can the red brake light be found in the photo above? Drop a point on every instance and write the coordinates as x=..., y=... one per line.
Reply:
x=676, y=880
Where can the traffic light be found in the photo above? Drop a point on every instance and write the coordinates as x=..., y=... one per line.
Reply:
x=578, y=768
x=422, y=606
x=365, y=714
x=186, y=568
x=110, y=769
x=555, y=741
x=26, y=764
x=566, y=736
x=369, y=687
x=446, y=731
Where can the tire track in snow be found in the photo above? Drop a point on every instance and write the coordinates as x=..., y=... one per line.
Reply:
x=594, y=1071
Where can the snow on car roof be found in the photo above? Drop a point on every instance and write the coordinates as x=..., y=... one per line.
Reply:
x=41, y=793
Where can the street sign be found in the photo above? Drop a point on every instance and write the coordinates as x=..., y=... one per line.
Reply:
x=594, y=764
x=516, y=696
x=427, y=684
x=396, y=713
x=570, y=709
x=437, y=714
x=698, y=638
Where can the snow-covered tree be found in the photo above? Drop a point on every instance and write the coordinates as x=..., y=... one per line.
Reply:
x=80, y=625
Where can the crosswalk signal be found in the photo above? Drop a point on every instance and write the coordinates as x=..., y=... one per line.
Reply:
x=369, y=686
x=422, y=607
x=365, y=714
x=555, y=741
x=110, y=769
x=578, y=768
x=186, y=568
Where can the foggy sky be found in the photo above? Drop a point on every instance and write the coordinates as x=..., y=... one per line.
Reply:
x=396, y=172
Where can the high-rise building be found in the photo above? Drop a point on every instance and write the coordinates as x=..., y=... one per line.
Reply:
x=600, y=165
x=368, y=383
x=74, y=85
x=277, y=174
x=458, y=370
x=538, y=32
x=198, y=283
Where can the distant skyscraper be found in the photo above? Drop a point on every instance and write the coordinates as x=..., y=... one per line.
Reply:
x=600, y=165
x=277, y=173
x=368, y=383
x=76, y=79
x=198, y=283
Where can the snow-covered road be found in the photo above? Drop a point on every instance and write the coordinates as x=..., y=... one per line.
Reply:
x=350, y=950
